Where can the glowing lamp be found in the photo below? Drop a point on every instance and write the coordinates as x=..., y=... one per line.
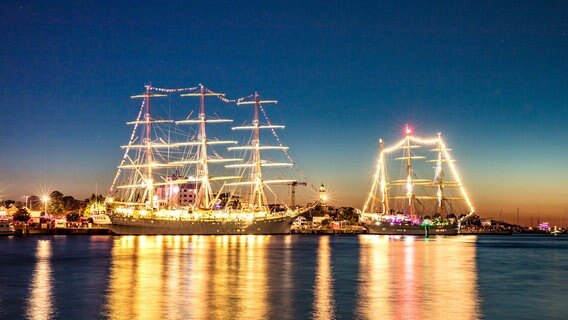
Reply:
x=45, y=199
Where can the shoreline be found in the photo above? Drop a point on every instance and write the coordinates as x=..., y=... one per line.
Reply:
x=103, y=231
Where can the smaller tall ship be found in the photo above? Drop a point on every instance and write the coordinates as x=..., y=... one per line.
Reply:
x=407, y=197
x=172, y=181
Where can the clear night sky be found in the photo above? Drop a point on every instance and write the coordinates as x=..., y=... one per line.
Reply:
x=492, y=76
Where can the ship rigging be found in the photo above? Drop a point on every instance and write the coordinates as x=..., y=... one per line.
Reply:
x=169, y=172
x=419, y=194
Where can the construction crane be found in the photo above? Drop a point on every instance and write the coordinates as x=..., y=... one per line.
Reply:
x=293, y=192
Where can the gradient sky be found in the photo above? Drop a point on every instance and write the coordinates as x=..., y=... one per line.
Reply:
x=492, y=76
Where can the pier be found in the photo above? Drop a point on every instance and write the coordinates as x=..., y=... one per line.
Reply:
x=25, y=231
x=351, y=229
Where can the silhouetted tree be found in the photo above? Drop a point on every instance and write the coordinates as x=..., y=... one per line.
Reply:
x=346, y=213
x=94, y=202
x=8, y=203
x=21, y=215
x=56, y=202
x=73, y=217
x=70, y=204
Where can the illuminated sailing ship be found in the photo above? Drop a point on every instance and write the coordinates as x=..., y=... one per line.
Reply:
x=165, y=186
x=430, y=204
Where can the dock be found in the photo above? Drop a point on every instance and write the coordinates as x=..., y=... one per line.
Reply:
x=26, y=231
x=352, y=229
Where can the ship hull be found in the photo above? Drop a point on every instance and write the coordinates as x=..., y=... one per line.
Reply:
x=411, y=230
x=130, y=226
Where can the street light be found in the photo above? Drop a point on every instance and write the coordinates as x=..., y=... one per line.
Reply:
x=45, y=199
x=27, y=197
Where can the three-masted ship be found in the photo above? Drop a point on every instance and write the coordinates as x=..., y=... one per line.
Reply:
x=432, y=203
x=168, y=186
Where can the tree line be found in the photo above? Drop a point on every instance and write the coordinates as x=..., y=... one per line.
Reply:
x=59, y=204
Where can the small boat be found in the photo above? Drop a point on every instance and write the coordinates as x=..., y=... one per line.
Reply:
x=101, y=219
x=6, y=227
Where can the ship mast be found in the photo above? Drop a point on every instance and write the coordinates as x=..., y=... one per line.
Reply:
x=383, y=182
x=409, y=193
x=257, y=197
x=440, y=173
x=148, y=142
x=258, y=193
x=205, y=197
x=409, y=182
x=379, y=182
x=147, y=180
x=205, y=192
x=440, y=181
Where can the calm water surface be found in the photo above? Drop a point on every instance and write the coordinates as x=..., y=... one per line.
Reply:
x=283, y=277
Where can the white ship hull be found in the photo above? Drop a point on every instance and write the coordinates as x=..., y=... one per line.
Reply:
x=135, y=226
x=414, y=230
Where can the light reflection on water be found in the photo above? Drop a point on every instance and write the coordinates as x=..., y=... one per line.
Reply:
x=283, y=277
x=416, y=278
x=324, y=303
x=39, y=304
x=196, y=277
x=199, y=277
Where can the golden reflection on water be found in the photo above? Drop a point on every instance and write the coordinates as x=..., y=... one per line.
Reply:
x=324, y=303
x=286, y=284
x=40, y=302
x=239, y=278
x=188, y=277
x=251, y=284
x=417, y=278
x=253, y=277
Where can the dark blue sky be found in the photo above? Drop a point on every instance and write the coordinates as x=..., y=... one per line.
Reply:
x=492, y=76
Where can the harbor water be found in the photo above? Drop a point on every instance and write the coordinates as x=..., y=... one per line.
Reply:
x=283, y=277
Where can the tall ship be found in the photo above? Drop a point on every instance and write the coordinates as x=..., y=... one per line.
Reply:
x=415, y=193
x=173, y=180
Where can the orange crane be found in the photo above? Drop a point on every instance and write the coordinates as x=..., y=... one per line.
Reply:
x=293, y=192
